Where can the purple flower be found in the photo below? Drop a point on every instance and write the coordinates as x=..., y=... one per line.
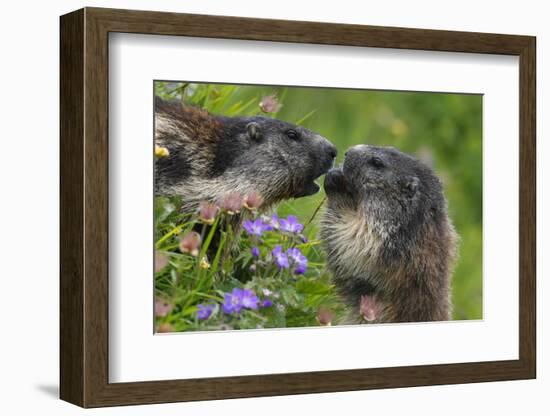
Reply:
x=204, y=311
x=300, y=268
x=266, y=303
x=232, y=301
x=274, y=222
x=238, y=299
x=280, y=257
x=255, y=252
x=291, y=224
x=249, y=300
x=256, y=227
x=298, y=260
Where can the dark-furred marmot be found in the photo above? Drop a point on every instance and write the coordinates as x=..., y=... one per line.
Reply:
x=211, y=156
x=389, y=242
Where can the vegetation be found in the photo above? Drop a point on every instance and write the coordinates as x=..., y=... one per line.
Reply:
x=237, y=280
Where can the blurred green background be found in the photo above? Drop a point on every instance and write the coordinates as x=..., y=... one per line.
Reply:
x=440, y=128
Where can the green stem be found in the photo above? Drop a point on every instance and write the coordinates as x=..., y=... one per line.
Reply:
x=315, y=212
x=176, y=230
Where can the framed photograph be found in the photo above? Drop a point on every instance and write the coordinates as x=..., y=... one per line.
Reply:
x=260, y=207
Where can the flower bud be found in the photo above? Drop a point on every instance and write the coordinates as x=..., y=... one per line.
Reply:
x=161, y=151
x=165, y=327
x=190, y=243
x=232, y=203
x=253, y=201
x=270, y=104
x=161, y=261
x=324, y=317
x=208, y=212
x=162, y=307
x=204, y=264
x=369, y=308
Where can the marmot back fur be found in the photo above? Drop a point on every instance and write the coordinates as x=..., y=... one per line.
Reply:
x=389, y=242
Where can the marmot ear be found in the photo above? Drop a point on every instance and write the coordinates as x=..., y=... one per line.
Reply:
x=410, y=184
x=254, y=132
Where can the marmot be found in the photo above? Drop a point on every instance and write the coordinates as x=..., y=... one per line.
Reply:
x=210, y=156
x=389, y=242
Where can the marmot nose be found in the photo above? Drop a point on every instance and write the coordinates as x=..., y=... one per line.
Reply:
x=332, y=151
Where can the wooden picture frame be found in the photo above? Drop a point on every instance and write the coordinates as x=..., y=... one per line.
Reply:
x=84, y=207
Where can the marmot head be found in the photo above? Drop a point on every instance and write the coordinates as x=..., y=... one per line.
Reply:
x=209, y=156
x=387, y=185
x=394, y=193
x=279, y=159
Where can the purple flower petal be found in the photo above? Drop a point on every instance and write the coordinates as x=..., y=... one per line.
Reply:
x=298, y=260
x=238, y=299
x=249, y=299
x=204, y=311
x=280, y=258
x=256, y=227
x=232, y=301
x=291, y=224
x=274, y=222
x=300, y=269
x=255, y=252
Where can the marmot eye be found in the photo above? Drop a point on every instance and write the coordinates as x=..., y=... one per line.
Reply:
x=292, y=134
x=377, y=162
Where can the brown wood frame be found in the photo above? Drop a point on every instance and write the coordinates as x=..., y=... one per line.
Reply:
x=84, y=208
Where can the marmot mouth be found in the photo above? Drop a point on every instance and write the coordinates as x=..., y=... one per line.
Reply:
x=310, y=188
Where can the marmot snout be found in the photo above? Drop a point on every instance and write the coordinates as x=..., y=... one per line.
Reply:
x=389, y=242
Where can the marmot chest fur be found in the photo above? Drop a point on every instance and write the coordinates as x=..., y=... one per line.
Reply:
x=389, y=242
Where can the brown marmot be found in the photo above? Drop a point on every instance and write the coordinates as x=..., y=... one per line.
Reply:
x=210, y=156
x=389, y=242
